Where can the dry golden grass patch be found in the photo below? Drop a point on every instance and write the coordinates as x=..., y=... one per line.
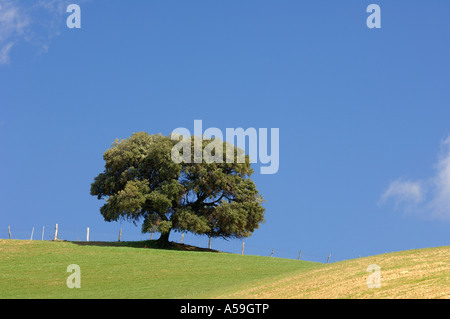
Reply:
x=422, y=273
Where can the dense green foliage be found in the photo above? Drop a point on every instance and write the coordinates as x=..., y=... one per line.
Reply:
x=141, y=182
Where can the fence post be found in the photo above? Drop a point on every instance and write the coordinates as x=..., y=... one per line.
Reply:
x=31, y=238
x=56, y=232
x=209, y=243
x=272, y=252
x=299, y=255
x=243, y=243
x=87, y=235
x=120, y=234
x=9, y=232
x=182, y=236
x=43, y=227
x=328, y=258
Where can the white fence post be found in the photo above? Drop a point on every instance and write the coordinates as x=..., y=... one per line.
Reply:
x=56, y=232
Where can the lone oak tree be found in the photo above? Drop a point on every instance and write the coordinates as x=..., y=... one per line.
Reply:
x=141, y=182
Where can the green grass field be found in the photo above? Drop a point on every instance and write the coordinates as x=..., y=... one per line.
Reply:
x=38, y=269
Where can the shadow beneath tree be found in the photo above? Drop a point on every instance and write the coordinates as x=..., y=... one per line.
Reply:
x=149, y=244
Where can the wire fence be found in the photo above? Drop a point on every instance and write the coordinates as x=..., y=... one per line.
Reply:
x=93, y=235
x=63, y=233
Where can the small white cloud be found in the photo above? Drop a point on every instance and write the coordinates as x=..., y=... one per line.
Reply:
x=33, y=22
x=403, y=191
x=429, y=198
x=13, y=23
x=4, y=53
x=439, y=205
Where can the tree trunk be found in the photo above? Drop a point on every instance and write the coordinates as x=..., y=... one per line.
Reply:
x=163, y=240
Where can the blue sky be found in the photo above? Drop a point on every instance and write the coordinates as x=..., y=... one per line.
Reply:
x=363, y=113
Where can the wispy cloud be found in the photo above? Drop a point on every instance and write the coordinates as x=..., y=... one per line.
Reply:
x=429, y=197
x=33, y=22
x=4, y=53
x=13, y=20
x=403, y=191
x=439, y=204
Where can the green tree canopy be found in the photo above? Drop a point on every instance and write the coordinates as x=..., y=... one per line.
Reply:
x=141, y=183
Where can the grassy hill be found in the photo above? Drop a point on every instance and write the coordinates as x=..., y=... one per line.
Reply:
x=37, y=269
x=412, y=274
